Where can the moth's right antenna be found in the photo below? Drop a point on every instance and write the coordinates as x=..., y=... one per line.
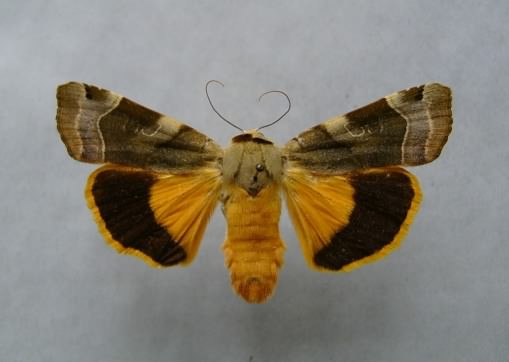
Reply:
x=281, y=116
x=214, y=108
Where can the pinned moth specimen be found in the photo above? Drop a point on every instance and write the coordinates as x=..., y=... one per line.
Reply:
x=349, y=198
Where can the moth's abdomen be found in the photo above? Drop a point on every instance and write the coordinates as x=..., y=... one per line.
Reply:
x=253, y=249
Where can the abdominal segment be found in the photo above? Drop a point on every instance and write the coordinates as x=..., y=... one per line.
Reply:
x=253, y=249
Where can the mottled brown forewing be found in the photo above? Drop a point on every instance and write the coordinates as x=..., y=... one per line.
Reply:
x=406, y=128
x=100, y=126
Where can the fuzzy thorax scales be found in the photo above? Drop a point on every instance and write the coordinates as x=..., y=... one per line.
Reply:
x=252, y=162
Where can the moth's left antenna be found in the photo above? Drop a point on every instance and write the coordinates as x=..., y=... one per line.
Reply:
x=214, y=108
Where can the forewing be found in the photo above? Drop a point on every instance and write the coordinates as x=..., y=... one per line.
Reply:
x=409, y=128
x=100, y=126
x=159, y=217
x=346, y=221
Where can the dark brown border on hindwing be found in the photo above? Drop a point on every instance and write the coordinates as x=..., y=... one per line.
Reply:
x=123, y=202
x=382, y=202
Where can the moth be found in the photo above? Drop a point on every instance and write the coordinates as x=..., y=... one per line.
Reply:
x=349, y=198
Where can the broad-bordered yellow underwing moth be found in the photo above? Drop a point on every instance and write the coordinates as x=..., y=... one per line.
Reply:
x=348, y=197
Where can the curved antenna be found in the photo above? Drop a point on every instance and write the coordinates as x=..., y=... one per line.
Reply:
x=284, y=114
x=214, y=108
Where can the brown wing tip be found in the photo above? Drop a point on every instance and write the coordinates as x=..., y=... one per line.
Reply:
x=437, y=86
x=439, y=100
x=67, y=112
x=70, y=84
x=79, y=105
x=438, y=93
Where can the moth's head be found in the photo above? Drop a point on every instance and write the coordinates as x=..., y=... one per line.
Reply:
x=251, y=136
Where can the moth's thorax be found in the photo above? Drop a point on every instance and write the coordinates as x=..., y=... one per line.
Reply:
x=252, y=162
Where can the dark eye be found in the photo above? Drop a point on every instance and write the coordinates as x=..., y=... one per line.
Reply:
x=260, y=167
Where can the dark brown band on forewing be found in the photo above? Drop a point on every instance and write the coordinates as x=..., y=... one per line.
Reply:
x=130, y=137
x=122, y=199
x=133, y=117
x=368, y=137
x=316, y=138
x=186, y=139
x=382, y=201
x=368, y=118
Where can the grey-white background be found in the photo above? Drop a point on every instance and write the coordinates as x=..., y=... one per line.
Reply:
x=66, y=296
